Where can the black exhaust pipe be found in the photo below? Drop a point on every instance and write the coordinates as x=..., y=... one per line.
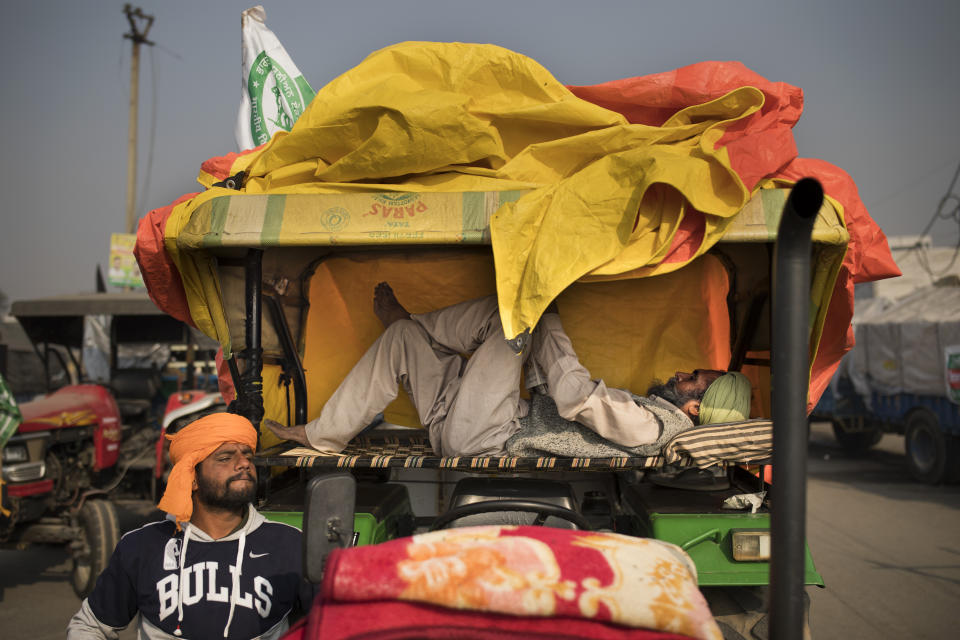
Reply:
x=790, y=362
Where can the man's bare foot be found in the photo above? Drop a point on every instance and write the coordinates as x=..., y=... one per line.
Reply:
x=386, y=306
x=296, y=433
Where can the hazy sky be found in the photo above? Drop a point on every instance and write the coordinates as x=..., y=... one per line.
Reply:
x=881, y=81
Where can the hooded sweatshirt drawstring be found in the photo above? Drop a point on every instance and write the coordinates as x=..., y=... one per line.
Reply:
x=235, y=585
x=183, y=557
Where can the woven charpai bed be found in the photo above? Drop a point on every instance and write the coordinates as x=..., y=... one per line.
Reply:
x=745, y=442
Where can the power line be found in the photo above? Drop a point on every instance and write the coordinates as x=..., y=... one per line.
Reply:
x=940, y=214
x=913, y=181
x=170, y=52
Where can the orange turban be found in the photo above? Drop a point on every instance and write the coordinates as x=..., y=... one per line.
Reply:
x=190, y=446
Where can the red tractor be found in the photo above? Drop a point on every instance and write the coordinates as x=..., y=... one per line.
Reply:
x=83, y=446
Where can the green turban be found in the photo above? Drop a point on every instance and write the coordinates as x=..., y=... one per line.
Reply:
x=727, y=399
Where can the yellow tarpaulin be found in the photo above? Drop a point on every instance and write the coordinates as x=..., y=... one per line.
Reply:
x=603, y=195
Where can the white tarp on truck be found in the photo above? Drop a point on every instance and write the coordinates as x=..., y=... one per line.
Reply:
x=902, y=345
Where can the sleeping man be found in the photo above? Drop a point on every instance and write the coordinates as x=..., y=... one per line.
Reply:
x=472, y=406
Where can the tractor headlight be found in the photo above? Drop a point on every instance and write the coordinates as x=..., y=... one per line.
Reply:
x=751, y=545
x=15, y=453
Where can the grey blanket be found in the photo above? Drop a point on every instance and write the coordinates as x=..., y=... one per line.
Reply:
x=544, y=433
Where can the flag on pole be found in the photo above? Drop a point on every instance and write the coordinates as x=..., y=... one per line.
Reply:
x=274, y=92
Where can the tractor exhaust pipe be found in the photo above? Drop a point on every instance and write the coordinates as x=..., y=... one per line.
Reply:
x=790, y=363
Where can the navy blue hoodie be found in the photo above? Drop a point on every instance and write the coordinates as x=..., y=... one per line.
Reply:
x=242, y=586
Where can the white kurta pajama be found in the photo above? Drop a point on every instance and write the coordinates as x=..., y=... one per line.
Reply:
x=470, y=407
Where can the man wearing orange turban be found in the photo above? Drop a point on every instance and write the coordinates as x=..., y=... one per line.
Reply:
x=215, y=567
x=230, y=481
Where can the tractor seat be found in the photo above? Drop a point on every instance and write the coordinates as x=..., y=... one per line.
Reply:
x=136, y=384
x=135, y=391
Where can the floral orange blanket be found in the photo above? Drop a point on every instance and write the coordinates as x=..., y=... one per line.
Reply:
x=533, y=572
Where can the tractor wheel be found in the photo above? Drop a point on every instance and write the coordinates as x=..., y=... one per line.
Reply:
x=99, y=534
x=856, y=443
x=926, y=447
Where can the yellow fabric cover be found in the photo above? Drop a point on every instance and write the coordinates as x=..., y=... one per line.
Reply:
x=450, y=116
x=628, y=332
x=274, y=402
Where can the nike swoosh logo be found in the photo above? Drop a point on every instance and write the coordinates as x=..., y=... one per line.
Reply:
x=258, y=555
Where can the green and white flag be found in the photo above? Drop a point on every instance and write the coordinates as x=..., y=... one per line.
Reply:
x=274, y=93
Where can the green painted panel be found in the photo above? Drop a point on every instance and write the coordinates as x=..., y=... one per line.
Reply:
x=366, y=528
x=707, y=538
x=292, y=518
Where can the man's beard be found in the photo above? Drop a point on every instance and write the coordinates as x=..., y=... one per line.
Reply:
x=669, y=392
x=230, y=496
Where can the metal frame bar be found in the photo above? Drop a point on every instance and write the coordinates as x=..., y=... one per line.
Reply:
x=45, y=361
x=291, y=359
x=738, y=357
x=251, y=389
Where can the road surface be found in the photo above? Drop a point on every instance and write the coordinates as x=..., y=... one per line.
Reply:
x=887, y=547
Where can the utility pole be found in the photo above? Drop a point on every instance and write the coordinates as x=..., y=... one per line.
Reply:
x=137, y=20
